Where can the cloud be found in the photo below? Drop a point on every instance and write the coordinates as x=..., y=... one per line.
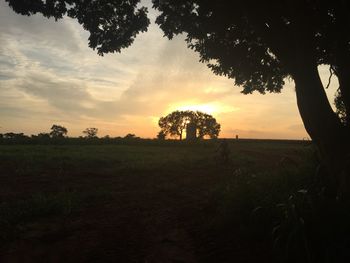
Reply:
x=37, y=29
x=48, y=75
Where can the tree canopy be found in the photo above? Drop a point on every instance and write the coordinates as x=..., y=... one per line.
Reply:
x=176, y=122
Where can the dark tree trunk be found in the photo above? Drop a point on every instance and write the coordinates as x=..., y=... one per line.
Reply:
x=322, y=124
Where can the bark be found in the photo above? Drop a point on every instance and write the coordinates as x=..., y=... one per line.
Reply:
x=322, y=124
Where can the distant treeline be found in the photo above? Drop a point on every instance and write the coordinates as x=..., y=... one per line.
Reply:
x=130, y=139
x=60, y=139
x=23, y=139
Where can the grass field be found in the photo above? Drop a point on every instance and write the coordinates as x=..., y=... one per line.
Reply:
x=146, y=202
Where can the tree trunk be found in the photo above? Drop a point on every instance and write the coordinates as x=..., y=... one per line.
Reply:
x=322, y=124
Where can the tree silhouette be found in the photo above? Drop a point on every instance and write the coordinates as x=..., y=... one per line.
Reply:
x=207, y=125
x=258, y=44
x=91, y=132
x=161, y=135
x=176, y=122
x=58, y=131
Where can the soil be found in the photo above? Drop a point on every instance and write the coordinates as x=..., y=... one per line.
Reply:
x=145, y=218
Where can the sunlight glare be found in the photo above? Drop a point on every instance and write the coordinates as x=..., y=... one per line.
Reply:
x=210, y=108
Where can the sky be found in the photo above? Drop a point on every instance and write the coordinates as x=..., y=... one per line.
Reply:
x=49, y=75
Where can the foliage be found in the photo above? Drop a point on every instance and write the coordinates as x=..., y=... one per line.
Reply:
x=113, y=25
x=176, y=122
x=131, y=136
x=249, y=41
x=161, y=135
x=91, y=132
x=43, y=135
x=207, y=125
x=58, y=131
x=14, y=136
x=341, y=110
x=312, y=229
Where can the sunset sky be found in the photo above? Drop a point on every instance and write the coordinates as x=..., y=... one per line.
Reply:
x=48, y=75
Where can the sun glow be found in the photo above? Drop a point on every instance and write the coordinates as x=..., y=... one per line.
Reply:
x=210, y=108
x=207, y=108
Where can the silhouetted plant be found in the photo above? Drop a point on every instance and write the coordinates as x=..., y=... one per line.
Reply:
x=131, y=136
x=91, y=132
x=161, y=135
x=223, y=151
x=341, y=110
x=313, y=229
x=58, y=131
x=199, y=123
x=14, y=136
x=43, y=135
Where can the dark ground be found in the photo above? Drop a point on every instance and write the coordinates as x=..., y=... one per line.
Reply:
x=142, y=203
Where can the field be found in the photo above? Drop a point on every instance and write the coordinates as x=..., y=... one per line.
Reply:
x=145, y=201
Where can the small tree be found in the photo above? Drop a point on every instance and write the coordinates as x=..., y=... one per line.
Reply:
x=161, y=135
x=58, y=131
x=91, y=132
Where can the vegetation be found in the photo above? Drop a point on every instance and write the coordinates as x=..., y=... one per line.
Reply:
x=161, y=135
x=91, y=132
x=247, y=200
x=341, y=110
x=58, y=131
x=58, y=135
x=199, y=123
x=64, y=193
